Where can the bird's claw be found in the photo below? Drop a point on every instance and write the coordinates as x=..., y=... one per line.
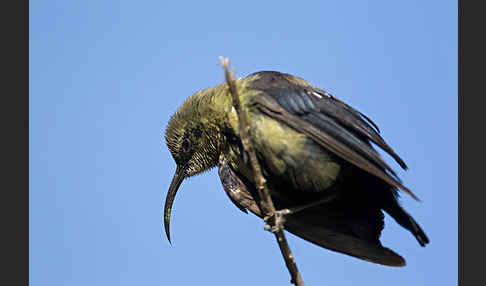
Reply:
x=276, y=221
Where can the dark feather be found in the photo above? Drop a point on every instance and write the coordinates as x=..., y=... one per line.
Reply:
x=352, y=231
x=281, y=87
x=331, y=123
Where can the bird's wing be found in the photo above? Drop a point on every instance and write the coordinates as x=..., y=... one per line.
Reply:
x=324, y=226
x=328, y=121
x=235, y=188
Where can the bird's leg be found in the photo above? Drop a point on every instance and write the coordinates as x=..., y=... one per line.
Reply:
x=279, y=216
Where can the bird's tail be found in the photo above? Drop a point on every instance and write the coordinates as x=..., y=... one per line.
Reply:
x=303, y=227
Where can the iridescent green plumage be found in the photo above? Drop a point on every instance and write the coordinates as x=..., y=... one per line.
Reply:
x=310, y=146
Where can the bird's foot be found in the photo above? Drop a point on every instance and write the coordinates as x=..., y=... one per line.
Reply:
x=276, y=221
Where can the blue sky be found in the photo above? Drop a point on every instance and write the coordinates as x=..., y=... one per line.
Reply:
x=105, y=76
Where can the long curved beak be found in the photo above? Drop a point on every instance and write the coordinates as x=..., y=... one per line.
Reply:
x=174, y=186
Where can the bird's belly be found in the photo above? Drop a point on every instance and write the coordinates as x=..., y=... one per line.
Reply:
x=293, y=159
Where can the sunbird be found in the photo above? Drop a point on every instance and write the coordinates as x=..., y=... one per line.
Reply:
x=315, y=152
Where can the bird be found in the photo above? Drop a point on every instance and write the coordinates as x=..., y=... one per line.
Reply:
x=317, y=156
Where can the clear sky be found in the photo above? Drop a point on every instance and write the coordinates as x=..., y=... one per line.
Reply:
x=105, y=76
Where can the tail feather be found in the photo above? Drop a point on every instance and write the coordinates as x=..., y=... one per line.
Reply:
x=340, y=242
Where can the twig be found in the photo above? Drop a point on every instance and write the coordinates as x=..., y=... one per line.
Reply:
x=266, y=203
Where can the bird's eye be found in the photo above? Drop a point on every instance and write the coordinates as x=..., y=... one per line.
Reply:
x=186, y=146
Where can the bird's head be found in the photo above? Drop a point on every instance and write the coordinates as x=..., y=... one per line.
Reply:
x=193, y=141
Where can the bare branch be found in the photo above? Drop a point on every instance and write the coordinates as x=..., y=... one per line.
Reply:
x=266, y=203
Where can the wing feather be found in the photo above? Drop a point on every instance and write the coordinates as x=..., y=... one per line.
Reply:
x=330, y=122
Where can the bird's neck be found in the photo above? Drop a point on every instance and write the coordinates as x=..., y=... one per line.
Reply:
x=218, y=118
